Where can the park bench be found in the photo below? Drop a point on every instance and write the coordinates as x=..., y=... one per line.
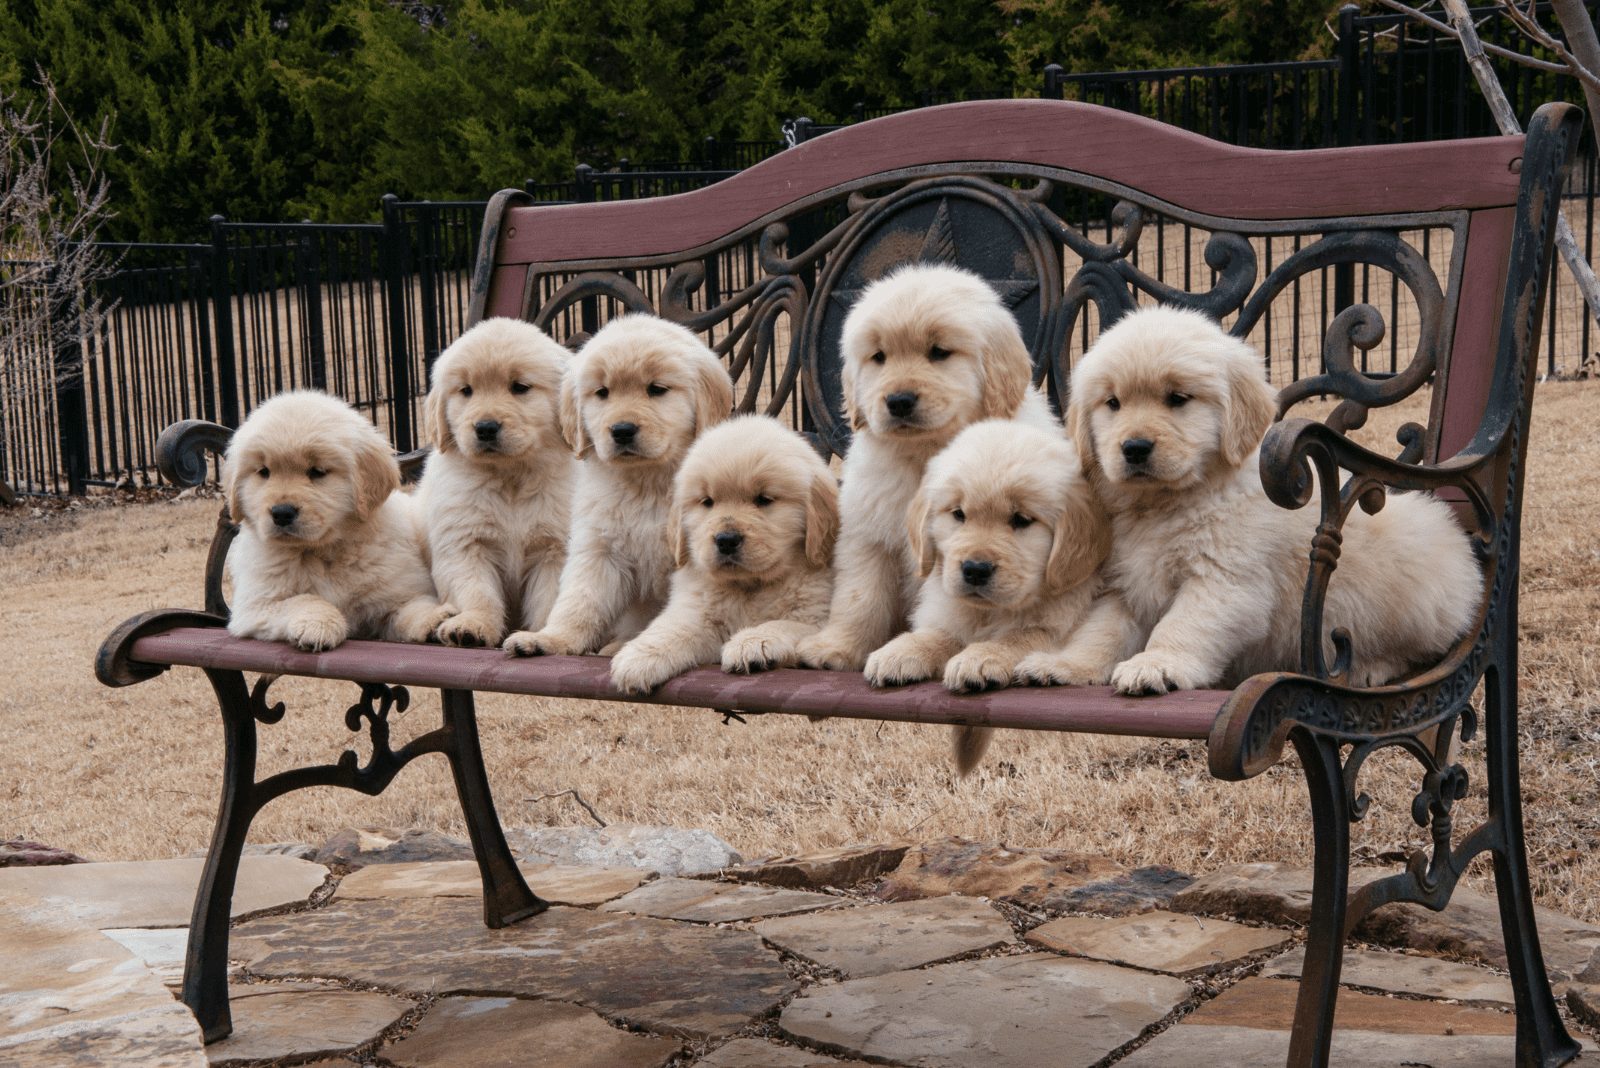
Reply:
x=767, y=262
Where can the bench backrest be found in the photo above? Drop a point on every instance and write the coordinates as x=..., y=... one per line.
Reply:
x=1076, y=213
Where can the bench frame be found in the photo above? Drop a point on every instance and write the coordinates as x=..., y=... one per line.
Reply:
x=1502, y=195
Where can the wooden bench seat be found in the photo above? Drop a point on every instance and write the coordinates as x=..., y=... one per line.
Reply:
x=1076, y=214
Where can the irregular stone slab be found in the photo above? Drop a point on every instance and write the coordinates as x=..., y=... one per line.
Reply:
x=1160, y=941
x=812, y=871
x=21, y=854
x=1583, y=999
x=1401, y=973
x=668, y=850
x=1470, y=927
x=891, y=938
x=755, y=1053
x=701, y=902
x=1269, y=1004
x=356, y=847
x=1136, y=890
x=161, y=949
x=558, y=884
x=508, y=1032
x=70, y=996
x=301, y=1019
x=1004, y=1012
x=299, y=850
x=1244, y=1047
x=157, y=893
x=662, y=976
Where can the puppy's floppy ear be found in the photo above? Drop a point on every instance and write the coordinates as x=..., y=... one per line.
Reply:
x=435, y=421
x=822, y=519
x=919, y=528
x=1007, y=371
x=1078, y=428
x=569, y=412
x=376, y=475
x=713, y=395
x=1081, y=543
x=675, y=535
x=233, y=472
x=1251, y=406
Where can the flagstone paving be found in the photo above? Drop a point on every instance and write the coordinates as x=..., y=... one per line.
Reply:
x=398, y=965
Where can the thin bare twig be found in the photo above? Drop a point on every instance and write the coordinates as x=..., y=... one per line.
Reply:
x=1525, y=21
x=576, y=796
x=1445, y=28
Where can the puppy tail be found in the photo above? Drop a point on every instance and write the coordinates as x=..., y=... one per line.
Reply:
x=970, y=743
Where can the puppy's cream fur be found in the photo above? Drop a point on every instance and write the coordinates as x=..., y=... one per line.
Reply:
x=1011, y=498
x=350, y=564
x=495, y=510
x=942, y=334
x=662, y=380
x=1207, y=573
x=755, y=479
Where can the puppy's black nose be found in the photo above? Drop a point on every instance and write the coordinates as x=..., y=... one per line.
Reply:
x=728, y=542
x=1137, y=450
x=283, y=514
x=486, y=429
x=977, y=572
x=622, y=433
x=901, y=405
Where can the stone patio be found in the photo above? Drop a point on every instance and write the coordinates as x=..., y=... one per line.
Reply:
x=945, y=954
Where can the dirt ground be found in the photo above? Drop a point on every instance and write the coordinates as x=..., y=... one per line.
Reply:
x=116, y=774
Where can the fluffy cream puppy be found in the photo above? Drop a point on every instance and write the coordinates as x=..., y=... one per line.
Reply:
x=632, y=401
x=494, y=494
x=926, y=350
x=1008, y=536
x=754, y=515
x=1207, y=574
x=327, y=549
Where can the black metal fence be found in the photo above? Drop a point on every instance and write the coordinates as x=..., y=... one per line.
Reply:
x=363, y=310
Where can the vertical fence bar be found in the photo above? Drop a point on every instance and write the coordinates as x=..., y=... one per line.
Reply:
x=72, y=412
x=391, y=253
x=306, y=249
x=222, y=317
x=1344, y=279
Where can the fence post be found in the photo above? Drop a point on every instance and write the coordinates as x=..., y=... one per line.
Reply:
x=1054, y=87
x=66, y=370
x=222, y=319
x=711, y=158
x=589, y=309
x=310, y=285
x=1344, y=275
x=392, y=256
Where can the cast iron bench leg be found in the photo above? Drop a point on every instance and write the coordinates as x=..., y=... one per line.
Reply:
x=1330, y=892
x=506, y=897
x=1542, y=1040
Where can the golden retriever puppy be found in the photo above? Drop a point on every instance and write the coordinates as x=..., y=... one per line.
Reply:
x=494, y=495
x=1008, y=536
x=927, y=350
x=327, y=547
x=1207, y=574
x=632, y=401
x=754, y=514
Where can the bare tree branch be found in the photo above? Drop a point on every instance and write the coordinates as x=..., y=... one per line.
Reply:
x=1531, y=28
x=576, y=796
x=1448, y=30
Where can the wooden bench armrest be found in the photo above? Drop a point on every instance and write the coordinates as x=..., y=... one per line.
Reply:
x=114, y=664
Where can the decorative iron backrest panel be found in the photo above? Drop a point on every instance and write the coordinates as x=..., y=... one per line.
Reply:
x=1069, y=250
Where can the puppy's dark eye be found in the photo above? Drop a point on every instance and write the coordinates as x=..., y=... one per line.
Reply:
x=1177, y=400
x=602, y=393
x=1020, y=521
x=466, y=391
x=654, y=390
x=938, y=355
x=1113, y=404
x=264, y=473
x=762, y=500
x=519, y=388
x=878, y=357
x=958, y=515
x=314, y=473
x=707, y=501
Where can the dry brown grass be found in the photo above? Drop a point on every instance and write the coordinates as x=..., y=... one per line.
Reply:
x=135, y=772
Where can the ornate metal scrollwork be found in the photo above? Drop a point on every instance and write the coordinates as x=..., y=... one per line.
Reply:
x=182, y=447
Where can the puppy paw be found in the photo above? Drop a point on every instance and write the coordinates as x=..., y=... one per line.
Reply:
x=1054, y=669
x=540, y=643
x=752, y=651
x=827, y=652
x=469, y=630
x=315, y=632
x=1154, y=673
x=900, y=662
x=419, y=622
x=974, y=670
x=637, y=672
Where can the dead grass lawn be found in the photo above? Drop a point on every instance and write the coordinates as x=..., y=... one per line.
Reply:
x=135, y=773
